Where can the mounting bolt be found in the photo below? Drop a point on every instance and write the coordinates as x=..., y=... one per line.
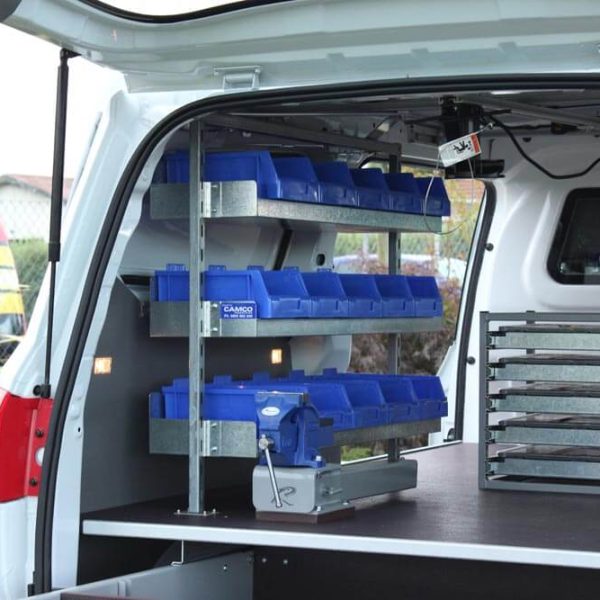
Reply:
x=285, y=561
x=489, y=246
x=263, y=560
x=471, y=360
x=33, y=482
x=225, y=567
x=39, y=433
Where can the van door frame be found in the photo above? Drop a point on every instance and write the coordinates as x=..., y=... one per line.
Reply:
x=118, y=205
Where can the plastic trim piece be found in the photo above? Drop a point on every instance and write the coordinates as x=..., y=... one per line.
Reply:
x=118, y=205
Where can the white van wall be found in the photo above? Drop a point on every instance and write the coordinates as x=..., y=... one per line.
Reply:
x=514, y=276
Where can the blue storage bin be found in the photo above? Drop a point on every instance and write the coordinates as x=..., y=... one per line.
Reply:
x=298, y=178
x=396, y=297
x=365, y=395
x=438, y=203
x=289, y=178
x=171, y=284
x=330, y=399
x=336, y=184
x=156, y=406
x=428, y=302
x=176, y=167
x=373, y=191
x=278, y=294
x=327, y=296
x=406, y=196
x=364, y=299
x=223, y=401
x=397, y=391
x=430, y=396
x=176, y=398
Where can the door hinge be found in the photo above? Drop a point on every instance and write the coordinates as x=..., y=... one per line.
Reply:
x=239, y=78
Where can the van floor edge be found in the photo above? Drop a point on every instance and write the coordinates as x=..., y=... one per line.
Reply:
x=446, y=516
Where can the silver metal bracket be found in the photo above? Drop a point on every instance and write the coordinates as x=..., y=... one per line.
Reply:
x=239, y=78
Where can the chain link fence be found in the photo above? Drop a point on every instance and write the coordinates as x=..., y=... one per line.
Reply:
x=24, y=220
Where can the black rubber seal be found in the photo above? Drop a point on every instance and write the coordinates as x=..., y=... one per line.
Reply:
x=469, y=300
x=118, y=205
x=178, y=18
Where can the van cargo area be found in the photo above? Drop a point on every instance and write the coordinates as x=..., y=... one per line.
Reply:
x=210, y=450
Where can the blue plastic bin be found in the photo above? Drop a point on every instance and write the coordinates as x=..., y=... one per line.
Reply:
x=298, y=178
x=231, y=401
x=438, y=203
x=336, y=184
x=278, y=294
x=289, y=178
x=171, y=284
x=176, y=399
x=428, y=302
x=406, y=196
x=430, y=396
x=365, y=395
x=396, y=297
x=373, y=191
x=397, y=391
x=327, y=296
x=176, y=167
x=156, y=405
x=364, y=299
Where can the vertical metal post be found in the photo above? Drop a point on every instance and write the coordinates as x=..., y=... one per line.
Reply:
x=196, y=341
x=394, y=257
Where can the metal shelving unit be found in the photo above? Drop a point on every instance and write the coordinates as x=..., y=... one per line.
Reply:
x=553, y=442
x=238, y=203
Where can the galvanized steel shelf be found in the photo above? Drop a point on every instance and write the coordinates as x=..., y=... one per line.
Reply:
x=548, y=398
x=238, y=200
x=561, y=336
x=238, y=438
x=171, y=319
x=547, y=367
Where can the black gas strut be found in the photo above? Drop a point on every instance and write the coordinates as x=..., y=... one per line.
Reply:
x=56, y=201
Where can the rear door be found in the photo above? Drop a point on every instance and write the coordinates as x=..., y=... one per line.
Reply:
x=235, y=44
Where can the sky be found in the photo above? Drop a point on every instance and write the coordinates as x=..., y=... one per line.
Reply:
x=28, y=82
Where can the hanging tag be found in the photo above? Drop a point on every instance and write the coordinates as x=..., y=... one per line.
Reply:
x=460, y=149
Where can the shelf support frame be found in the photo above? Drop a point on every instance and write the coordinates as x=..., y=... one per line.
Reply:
x=196, y=335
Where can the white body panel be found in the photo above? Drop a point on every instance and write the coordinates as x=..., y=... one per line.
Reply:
x=314, y=42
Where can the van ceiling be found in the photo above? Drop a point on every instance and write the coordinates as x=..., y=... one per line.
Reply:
x=426, y=119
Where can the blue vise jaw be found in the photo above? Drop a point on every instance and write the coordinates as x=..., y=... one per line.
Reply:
x=292, y=426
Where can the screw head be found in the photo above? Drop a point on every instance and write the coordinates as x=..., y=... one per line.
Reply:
x=39, y=433
x=33, y=481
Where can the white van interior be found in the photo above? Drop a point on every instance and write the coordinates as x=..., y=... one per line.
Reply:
x=528, y=302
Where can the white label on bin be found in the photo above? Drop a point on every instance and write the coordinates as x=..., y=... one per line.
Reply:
x=460, y=149
x=270, y=411
x=238, y=310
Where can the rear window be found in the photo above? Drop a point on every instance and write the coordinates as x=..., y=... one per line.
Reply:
x=575, y=254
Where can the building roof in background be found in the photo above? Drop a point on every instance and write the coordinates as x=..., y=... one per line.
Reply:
x=38, y=183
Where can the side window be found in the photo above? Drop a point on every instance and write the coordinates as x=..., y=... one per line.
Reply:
x=574, y=257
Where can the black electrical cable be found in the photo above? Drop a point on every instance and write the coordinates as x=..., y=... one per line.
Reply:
x=537, y=165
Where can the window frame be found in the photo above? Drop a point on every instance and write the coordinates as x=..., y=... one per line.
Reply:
x=560, y=238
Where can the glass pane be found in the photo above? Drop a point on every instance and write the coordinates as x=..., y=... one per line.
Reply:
x=575, y=254
x=441, y=256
